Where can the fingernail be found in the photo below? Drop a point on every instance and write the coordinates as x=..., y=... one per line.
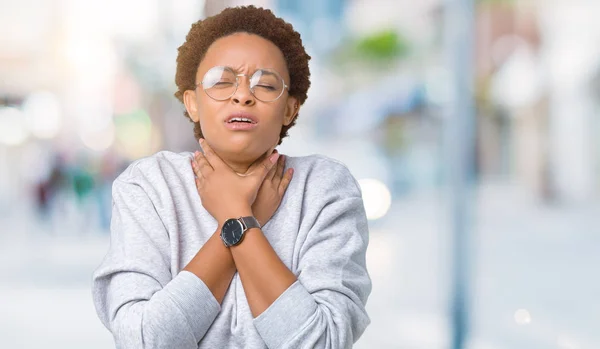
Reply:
x=274, y=157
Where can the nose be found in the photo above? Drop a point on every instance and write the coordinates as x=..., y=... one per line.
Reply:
x=242, y=94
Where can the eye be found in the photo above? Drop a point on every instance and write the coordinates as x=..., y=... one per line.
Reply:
x=267, y=87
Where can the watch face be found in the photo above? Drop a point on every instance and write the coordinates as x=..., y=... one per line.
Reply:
x=232, y=232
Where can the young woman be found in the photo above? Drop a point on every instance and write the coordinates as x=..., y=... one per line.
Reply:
x=236, y=246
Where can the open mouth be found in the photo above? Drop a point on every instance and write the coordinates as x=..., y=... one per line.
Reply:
x=240, y=120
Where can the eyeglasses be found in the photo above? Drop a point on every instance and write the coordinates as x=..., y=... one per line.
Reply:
x=220, y=83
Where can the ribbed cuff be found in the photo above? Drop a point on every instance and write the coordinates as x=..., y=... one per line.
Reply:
x=286, y=316
x=195, y=300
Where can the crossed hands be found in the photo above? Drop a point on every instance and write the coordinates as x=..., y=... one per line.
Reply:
x=226, y=194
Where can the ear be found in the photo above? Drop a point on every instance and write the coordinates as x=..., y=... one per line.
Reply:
x=291, y=111
x=191, y=104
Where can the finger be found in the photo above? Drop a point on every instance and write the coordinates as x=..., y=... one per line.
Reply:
x=202, y=167
x=197, y=178
x=280, y=166
x=195, y=167
x=285, y=182
x=273, y=172
x=213, y=159
x=258, y=162
x=265, y=166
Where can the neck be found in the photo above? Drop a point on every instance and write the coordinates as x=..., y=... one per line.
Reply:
x=241, y=166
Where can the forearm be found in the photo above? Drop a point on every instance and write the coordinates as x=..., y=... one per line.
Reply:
x=214, y=265
x=263, y=274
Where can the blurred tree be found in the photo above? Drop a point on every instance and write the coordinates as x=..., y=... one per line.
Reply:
x=384, y=45
x=376, y=50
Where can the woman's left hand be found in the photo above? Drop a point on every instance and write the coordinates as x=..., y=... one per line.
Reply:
x=271, y=191
x=224, y=193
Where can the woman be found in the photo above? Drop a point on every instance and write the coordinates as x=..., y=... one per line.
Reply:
x=221, y=248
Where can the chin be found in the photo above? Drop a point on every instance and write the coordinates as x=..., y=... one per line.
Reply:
x=239, y=149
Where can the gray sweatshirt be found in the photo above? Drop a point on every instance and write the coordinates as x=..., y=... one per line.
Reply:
x=158, y=225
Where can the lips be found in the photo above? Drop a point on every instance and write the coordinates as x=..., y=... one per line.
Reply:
x=241, y=117
x=241, y=121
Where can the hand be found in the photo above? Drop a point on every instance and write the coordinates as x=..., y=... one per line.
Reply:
x=224, y=193
x=271, y=191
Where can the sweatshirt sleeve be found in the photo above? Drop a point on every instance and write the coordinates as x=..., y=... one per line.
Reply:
x=134, y=292
x=325, y=307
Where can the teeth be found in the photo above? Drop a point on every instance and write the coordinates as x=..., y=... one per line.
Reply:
x=240, y=120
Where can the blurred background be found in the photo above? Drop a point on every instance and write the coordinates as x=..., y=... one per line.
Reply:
x=87, y=87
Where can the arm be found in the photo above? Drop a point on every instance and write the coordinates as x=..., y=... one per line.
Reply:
x=214, y=263
x=135, y=294
x=263, y=275
x=325, y=307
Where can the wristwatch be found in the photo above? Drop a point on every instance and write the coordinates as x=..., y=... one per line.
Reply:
x=233, y=230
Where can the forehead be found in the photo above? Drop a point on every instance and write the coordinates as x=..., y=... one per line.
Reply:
x=244, y=53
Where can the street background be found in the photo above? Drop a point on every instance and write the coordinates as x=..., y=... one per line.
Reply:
x=87, y=87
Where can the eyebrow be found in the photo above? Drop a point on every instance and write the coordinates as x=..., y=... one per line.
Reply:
x=237, y=71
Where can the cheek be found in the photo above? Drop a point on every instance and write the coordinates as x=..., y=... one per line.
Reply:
x=206, y=111
x=276, y=119
x=279, y=112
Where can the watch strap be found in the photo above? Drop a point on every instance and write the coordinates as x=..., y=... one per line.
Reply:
x=250, y=222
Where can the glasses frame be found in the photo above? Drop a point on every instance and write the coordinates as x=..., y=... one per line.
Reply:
x=237, y=83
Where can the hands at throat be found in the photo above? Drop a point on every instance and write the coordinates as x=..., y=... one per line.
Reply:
x=226, y=194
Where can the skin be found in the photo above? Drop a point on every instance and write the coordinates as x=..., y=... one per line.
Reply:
x=238, y=175
x=245, y=53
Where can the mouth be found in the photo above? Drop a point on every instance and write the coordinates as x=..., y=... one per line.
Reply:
x=241, y=118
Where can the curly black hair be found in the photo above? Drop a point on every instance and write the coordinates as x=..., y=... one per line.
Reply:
x=243, y=19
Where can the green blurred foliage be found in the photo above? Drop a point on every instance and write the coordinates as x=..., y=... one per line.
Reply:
x=384, y=45
x=375, y=50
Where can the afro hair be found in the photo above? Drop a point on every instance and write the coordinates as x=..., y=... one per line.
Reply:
x=244, y=19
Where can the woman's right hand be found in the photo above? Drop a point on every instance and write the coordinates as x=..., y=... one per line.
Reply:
x=224, y=193
x=271, y=191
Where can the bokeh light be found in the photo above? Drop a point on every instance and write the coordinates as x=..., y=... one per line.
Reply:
x=13, y=130
x=43, y=113
x=134, y=133
x=98, y=140
x=376, y=197
x=522, y=317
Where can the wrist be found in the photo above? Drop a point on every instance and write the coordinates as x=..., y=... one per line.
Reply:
x=235, y=212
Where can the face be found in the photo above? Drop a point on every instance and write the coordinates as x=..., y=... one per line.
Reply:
x=244, y=54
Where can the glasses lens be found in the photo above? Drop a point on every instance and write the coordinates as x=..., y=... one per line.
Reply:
x=219, y=83
x=266, y=84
